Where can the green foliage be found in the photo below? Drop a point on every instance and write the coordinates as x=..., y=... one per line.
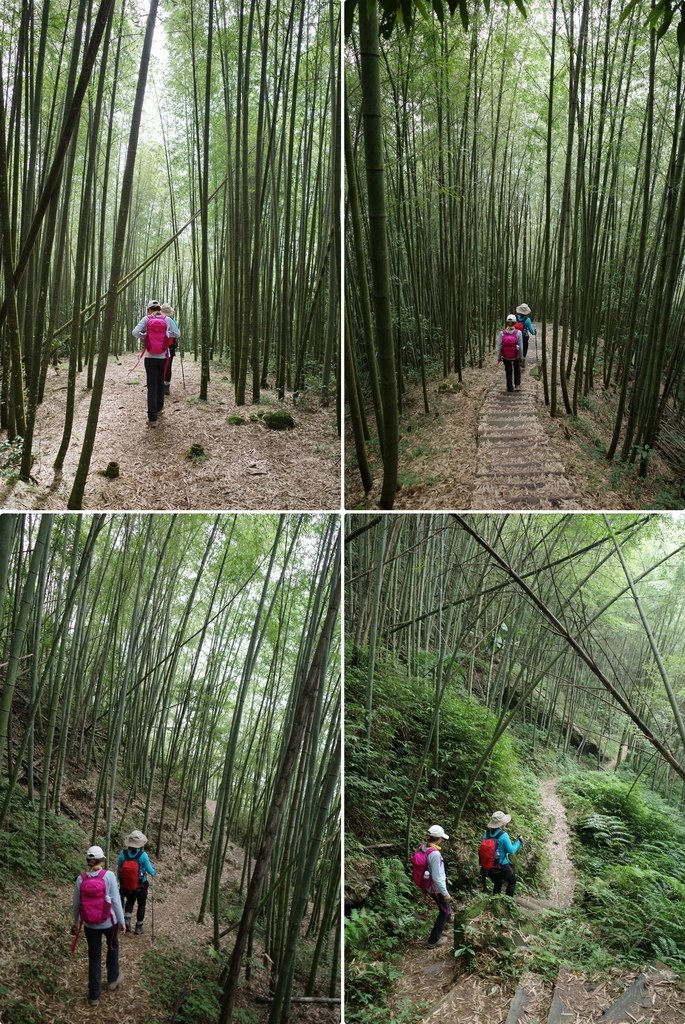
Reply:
x=188, y=988
x=278, y=419
x=372, y=937
x=10, y=458
x=65, y=843
x=632, y=878
x=379, y=781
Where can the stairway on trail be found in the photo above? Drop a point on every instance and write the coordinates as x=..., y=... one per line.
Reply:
x=516, y=467
x=652, y=997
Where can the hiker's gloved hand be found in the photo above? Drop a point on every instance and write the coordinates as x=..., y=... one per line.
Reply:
x=121, y=928
x=520, y=839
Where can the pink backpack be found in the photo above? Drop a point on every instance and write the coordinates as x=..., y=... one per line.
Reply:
x=509, y=345
x=94, y=907
x=156, y=340
x=419, y=867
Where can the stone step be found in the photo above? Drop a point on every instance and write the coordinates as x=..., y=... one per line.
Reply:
x=561, y=1011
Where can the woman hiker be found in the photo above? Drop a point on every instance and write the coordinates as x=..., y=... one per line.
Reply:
x=155, y=329
x=133, y=867
x=503, y=870
x=524, y=317
x=435, y=864
x=97, y=904
x=510, y=351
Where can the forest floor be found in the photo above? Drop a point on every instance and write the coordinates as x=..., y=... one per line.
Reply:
x=35, y=963
x=246, y=466
x=433, y=982
x=482, y=448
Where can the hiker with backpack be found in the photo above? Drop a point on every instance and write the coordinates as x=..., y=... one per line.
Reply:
x=494, y=852
x=133, y=867
x=510, y=352
x=169, y=312
x=97, y=906
x=428, y=872
x=155, y=329
x=526, y=326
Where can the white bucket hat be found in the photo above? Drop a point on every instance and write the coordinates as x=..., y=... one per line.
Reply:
x=511, y=319
x=499, y=820
x=136, y=840
x=95, y=853
x=524, y=308
x=437, y=832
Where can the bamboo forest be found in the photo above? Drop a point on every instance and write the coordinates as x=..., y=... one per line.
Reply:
x=524, y=161
x=171, y=681
x=514, y=715
x=175, y=154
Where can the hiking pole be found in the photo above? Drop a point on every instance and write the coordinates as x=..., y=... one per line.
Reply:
x=153, y=910
x=183, y=376
x=136, y=362
x=74, y=942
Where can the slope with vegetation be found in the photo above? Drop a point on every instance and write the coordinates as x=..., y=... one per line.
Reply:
x=502, y=662
x=176, y=675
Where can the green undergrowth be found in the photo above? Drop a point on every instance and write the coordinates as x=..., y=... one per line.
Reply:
x=186, y=988
x=627, y=847
x=65, y=844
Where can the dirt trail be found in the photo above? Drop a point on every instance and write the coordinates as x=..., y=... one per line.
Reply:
x=247, y=466
x=562, y=872
x=517, y=466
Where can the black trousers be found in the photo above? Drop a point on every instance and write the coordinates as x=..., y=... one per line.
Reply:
x=444, y=914
x=94, y=940
x=525, y=346
x=505, y=873
x=512, y=366
x=172, y=353
x=131, y=897
x=154, y=371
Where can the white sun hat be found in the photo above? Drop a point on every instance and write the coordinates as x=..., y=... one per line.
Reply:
x=499, y=820
x=95, y=853
x=437, y=832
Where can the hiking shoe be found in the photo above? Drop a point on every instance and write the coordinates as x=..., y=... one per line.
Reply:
x=127, y=922
x=166, y=389
x=139, y=928
x=111, y=985
x=94, y=1002
x=517, y=388
x=152, y=423
x=438, y=942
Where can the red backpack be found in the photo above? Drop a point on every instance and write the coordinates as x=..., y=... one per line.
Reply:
x=94, y=907
x=420, y=875
x=130, y=874
x=509, y=344
x=156, y=341
x=488, y=852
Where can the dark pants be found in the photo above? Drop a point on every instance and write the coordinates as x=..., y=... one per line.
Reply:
x=94, y=940
x=167, y=374
x=154, y=371
x=131, y=897
x=505, y=873
x=525, y=346
x=512, y=366
x=444, y=914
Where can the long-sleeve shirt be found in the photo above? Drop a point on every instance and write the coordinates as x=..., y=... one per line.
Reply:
x=172, y=331
x=112, y=896
x=519, y=343
x=436, y=866
x=529, y=325
x=146, y=867
x=505, y=847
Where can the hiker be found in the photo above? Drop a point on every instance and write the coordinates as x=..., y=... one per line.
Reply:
x=133, y=867
x=98, y=906
x=495, y=850
x=510, y=351
x=428, y=872
x=527, y=327
x=155, y=329
x=169, y=312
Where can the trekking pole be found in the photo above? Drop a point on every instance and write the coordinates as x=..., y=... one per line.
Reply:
x=74, y=941
x=136, y=362
x=153, y=910
x=183, y=376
